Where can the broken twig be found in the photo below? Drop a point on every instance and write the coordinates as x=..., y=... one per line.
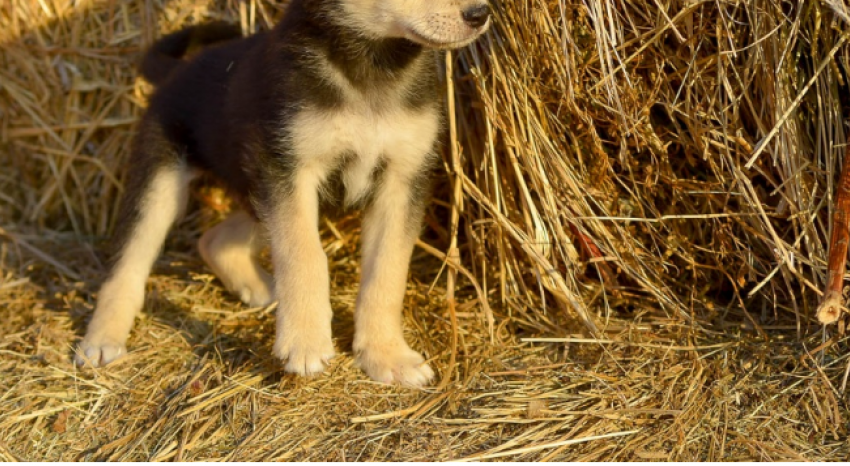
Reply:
x=832, y=305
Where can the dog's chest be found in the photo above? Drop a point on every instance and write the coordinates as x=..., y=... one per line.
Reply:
x=358, y=140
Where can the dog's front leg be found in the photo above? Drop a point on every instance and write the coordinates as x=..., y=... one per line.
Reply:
x=390, y=228
x=301, y=277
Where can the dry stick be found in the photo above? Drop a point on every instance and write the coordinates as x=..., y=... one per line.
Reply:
x=264, y=423
x=457, y=190
x=29, y=132
x=479, y=290
x=762, y=145
x=413, y=411
x=832, y=306
x=6, y=454
x=40, y=254
x=544, y=446
x=591, y=251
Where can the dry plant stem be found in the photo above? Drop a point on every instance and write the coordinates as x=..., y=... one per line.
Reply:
x=832, y=305
x=479, y=290
x=6, y=455
x=457, y=190
x=591, y=251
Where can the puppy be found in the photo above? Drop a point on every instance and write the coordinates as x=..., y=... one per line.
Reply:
x=340, y=93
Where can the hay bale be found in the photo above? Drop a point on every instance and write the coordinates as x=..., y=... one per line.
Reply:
x=644, y=155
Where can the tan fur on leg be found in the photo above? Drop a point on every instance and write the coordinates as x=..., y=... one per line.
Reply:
x=121, y=297
x=388, y=241
x=230, y=249
x=301, y=279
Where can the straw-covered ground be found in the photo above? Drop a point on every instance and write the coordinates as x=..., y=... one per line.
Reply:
x=637, y=201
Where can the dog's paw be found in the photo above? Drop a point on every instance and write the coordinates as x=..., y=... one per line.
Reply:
x=395, y=364
x=99, y=352
x=255, y=293
x=303, y=355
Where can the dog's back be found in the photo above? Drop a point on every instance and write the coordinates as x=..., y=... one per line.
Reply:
x=193, y=105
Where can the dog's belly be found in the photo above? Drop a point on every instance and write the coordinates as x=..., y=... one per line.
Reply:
x=360, y=140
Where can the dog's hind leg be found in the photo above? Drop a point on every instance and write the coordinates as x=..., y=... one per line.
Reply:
x=152, y=202
x=230, y=249
x=390, y=228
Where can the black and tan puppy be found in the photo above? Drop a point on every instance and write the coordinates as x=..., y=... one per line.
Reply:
x=340, y=92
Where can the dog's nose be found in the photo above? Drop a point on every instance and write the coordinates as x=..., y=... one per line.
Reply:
x=477, y=16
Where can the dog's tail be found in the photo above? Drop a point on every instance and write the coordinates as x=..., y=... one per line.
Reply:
x=165, y=55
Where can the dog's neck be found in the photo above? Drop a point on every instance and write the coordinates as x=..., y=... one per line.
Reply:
x=363, y=61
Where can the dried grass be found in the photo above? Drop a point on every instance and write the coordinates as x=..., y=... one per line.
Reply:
x=640, y=190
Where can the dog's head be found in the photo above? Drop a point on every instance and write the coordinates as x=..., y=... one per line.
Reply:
x=442, y=24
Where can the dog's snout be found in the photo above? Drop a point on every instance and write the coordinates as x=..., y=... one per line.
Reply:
x=477, y=16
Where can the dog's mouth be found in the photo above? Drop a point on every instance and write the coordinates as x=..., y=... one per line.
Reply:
x=444, y=44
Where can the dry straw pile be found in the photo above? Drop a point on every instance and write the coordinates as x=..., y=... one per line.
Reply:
x=684, y=153
x=635, y=213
